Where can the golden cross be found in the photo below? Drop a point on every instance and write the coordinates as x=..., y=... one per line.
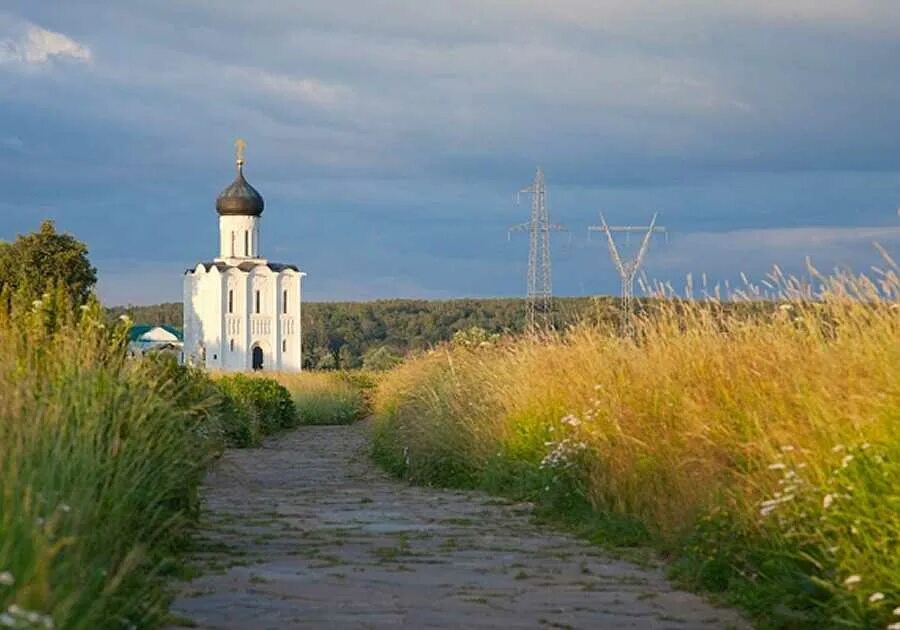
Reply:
x=240, y=145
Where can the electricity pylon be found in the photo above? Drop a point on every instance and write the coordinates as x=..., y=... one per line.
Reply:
x=627, y=267
x=540, y=283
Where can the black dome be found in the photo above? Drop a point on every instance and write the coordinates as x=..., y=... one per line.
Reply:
x=240, y=198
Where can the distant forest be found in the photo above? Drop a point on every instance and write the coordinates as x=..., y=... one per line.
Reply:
x=351, y=334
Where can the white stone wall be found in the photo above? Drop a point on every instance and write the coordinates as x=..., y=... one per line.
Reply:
x=239, y=237
x=229, y=313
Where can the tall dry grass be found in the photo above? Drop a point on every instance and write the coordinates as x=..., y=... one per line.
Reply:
x=328, y=397
x=759, y=444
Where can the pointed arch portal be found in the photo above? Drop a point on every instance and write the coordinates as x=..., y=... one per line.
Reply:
x=257, y=358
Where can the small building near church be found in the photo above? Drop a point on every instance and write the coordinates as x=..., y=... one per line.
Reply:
x=241, y=311
x=143, y=339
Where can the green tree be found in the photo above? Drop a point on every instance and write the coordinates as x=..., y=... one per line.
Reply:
x=380, y=359
x=346, y=359
x=36, y=263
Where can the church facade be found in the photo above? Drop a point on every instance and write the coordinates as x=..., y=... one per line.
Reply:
x=241, y=311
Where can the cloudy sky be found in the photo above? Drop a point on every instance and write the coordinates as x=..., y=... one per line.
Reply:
x=389, y=137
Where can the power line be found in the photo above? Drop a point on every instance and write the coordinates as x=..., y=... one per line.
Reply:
x=540, y=282
x=627, y=267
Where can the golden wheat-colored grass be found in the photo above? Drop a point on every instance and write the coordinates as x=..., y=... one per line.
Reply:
x=706, y=409
x=325, y=397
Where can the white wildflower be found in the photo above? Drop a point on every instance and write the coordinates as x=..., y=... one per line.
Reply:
x=787, y=448
x=785, y=307
x=571, y=420
x=875, y=597
x=852, y=581
x=827, y=501
x=37, y=304
x=837, y=448
x=897, y=611
x=865, y=446
x=833, y=549
x=778, y=466
x=893, y=626
x=7, y=578
x=847, y=459
x=65, y=507
x=7, y=620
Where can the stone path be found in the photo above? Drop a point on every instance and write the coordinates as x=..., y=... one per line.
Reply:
x=306, y=532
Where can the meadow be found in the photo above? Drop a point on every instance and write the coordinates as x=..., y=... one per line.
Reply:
x=756, y=448
x=329, y=397
x=100, y=462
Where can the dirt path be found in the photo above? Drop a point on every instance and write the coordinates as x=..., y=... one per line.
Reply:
x=307, y=532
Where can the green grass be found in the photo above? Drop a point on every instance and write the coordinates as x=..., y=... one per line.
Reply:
x=99, y=465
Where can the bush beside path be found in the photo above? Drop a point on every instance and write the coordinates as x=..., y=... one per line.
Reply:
x=306, y=532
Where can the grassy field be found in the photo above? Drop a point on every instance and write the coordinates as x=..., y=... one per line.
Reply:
x=760, y=451
x=100, y=461
x=328, y=397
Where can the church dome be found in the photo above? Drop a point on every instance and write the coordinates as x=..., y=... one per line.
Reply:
x=240, y=198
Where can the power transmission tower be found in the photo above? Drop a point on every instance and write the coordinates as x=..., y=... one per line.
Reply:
x=627, y=267
x=540, y=283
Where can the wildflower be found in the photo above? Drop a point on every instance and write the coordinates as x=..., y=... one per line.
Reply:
x=897, y=611
x=833, y=549
x=37, y=304
x=787, y=448
x=852, y=581
x=7, y=579
x=827, y=501
x=847, y=459
x=865, y=446
x=894, y=626
x=785, y=307
x=7, y=620
x=65, y=507
x=571, y=420
x=837, y=448
x=875, y=597
x=778, y=466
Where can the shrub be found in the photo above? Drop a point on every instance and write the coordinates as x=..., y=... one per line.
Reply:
x=256, y=406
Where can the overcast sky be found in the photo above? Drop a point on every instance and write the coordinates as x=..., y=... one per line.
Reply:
x=389, y=137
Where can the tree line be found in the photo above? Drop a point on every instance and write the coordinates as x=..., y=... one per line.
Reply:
x=379, y=333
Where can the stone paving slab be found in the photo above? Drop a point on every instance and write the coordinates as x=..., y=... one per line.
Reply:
x=306, y=532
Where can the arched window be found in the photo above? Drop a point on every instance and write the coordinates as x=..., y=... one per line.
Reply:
x=231, y=345
x=231, y=300
x=284, y=301
x=284, y=345
x=232, y=243
x=246, y=243
x=257, y=302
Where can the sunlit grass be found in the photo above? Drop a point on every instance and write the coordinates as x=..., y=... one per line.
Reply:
x=759, y=445
x=326, y=397
x=99, y=464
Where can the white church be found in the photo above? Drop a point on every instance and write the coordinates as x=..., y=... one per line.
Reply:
x=242, y=312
